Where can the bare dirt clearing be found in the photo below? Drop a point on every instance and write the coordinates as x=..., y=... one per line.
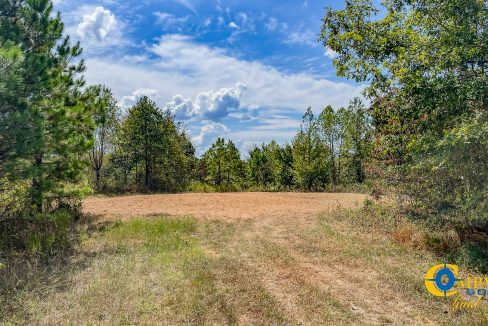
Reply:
x=223, y=205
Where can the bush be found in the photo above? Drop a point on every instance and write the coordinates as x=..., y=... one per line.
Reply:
x=33, y=243
x=40, y=235
x=12, y=198
x=197, y=186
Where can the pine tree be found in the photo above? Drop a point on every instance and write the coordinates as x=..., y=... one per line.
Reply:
x=327, y=121
x=53, y=129
x=142, y=133
x=215, y=162
x=224, y=165
x=309, y=155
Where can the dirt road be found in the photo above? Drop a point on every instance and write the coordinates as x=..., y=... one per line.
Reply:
x=223, y=205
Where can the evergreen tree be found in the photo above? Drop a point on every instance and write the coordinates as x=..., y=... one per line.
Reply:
x=142, y=134
x=224, y=165
x=309, y=155
x=151, y=152
x=260, y=168
x=215, y=162
x=328, y=125
x=358, y=132
x=52, y=128
x=285, y=174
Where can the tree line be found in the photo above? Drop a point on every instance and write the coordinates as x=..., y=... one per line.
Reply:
x=146, y=150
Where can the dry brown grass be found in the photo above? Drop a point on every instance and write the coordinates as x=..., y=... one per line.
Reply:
x=268, y=266
x=242, y=205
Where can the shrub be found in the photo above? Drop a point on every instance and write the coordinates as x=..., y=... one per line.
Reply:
x=197, y=186
x=12, y=198
x=40, y=235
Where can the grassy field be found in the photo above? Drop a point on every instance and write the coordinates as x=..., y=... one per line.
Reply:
x=335, y=267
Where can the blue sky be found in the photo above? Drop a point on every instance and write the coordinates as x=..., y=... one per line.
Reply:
x=245, y=70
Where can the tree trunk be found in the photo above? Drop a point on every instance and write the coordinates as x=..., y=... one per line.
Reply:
x=37, y=191
x=332, y=157
x=146, y=161
x=97, y=179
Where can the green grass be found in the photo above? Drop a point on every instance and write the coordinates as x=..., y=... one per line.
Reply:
x=176, y=271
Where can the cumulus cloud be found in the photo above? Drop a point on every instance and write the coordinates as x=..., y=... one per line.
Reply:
x=181, y=107
x=127, y=101
x=208, y=68
x=207, y=105
x=97, y=24
x=209, y=131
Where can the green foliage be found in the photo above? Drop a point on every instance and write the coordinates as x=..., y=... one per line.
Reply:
x=225, y=170
x=44, y=127
x=12, y=198
x=333, y=148
x=198, y=186
x=309, y=155
x=457, y=165
x=266, y=166
x=426, y=62
x=151, y=152
x=101, y=102
x=11, y=61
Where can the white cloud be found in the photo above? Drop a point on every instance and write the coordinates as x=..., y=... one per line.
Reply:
x=233, y=25
x=207, y=105
x=307, y=37
x=243, y=17
x=209, y=131
x=207, y=21
x=331, y=53
x=127, y=101
x=271, y=24
x=207, y=68
x=169, y=20
x=189, y=4
x=242, y=24
x=97, y=24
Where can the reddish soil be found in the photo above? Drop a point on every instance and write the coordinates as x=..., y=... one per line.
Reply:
x=244, y=205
